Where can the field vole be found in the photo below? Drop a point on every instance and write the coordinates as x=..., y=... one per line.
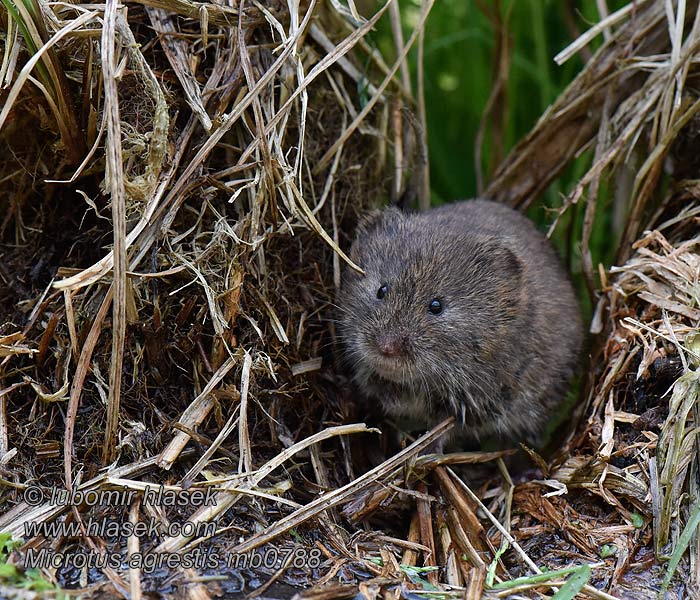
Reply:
x=464, y=310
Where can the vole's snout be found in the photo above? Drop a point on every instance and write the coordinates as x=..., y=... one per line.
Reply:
x=392, y=345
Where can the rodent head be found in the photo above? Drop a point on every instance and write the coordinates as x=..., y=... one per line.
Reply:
x=433, y=301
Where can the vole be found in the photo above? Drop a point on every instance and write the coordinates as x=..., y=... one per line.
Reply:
x=463, y=310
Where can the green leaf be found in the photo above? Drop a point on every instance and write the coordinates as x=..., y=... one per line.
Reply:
x=35, y=581
x=637, y=520
x=574, y=584
x=681, y=546
x=414, y=575
x=491, y=573
x=539, y=578
x=7, y=545
x=7, y=571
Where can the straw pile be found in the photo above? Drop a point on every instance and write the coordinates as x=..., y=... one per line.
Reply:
x=182, y=178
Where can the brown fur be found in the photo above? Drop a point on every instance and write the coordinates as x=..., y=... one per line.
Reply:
x=500, y=354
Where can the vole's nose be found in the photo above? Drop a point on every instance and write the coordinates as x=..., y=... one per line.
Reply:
x=392, y=344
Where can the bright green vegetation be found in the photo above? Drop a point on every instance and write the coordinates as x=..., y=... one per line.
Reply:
x=459, y=67
x=29, y=580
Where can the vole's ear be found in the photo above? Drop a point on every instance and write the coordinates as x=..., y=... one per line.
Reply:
x=378, y=218
x=385, y=219
x=508, y=271
x=498, y=263
x=508, y=263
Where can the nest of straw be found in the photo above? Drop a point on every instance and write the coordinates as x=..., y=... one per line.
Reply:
x=171, y=243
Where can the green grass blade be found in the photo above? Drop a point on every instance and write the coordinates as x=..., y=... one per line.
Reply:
x=681, y=547
x=491, y=573
x=574, y=584
x=28, y=38
x=539, y=578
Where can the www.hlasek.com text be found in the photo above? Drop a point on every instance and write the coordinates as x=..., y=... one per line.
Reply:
x=111, y=528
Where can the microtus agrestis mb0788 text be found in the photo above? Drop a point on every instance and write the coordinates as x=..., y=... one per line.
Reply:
x=463, y=310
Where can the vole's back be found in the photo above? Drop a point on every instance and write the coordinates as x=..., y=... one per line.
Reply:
x=546, y=336
x=502, y=343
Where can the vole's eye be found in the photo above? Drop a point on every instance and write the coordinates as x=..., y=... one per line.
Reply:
x=381, y=292
x=435, y=306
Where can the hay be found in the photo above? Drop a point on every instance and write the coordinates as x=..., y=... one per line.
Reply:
x=197, y=269
x=171, y=247
x=633, y=108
